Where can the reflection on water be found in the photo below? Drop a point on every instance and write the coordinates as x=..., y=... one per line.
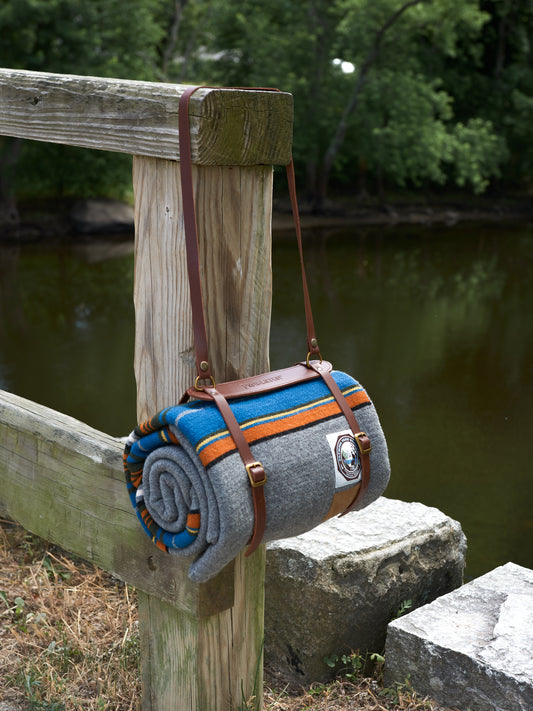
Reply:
x=437, y=325
x=434, y=322
x=67, y=332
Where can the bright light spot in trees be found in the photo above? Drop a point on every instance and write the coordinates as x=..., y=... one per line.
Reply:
x=345, y=67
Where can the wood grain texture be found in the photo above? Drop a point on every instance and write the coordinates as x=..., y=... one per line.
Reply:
x=208, y=663
x=228, y=126
x=164, y=362
x=230, y=644
x=64, y=481
x=236, y=267
x=204, y=662
x=233, y=207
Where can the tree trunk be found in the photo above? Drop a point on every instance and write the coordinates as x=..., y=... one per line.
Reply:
x=171, y=38
x=340, y=133
x=500, y=48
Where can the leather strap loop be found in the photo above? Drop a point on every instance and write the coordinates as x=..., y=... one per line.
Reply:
x=203, y=369
x=255, y=470
x=361, y=438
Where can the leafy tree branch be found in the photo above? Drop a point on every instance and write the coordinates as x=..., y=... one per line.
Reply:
x=340, y=133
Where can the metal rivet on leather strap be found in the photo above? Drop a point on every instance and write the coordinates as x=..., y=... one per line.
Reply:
x=204, y=365
x=314, y=342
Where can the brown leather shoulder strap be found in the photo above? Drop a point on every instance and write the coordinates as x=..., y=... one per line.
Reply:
x=254, y=469
x=312, y=343
x=203, y=368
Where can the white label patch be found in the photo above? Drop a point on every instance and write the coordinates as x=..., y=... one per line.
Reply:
x=346, y=458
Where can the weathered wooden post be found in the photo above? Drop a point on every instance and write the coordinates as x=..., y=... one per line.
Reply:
x=220, y=645
x=201, y=645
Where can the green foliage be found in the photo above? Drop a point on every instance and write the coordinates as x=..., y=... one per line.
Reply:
x=393, y=116
x=49, y=169
x=440, y=91
x=496, y=82
x=32, y=683
x=76, y=37
x=405, y=606
x=402, y=691
x=355, y=665
x=55, y=572
x=478, y=153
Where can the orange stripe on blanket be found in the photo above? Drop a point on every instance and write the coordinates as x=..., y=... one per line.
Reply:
x=225, y=444
x=136, y=479
x=172, y=437
x=145, y=427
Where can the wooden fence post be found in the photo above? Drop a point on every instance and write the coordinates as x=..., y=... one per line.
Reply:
x=201, y=645
x=211, y=660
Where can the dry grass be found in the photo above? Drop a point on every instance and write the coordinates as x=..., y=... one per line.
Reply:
x=69, y=640
x=68, y=634
x=364, y=695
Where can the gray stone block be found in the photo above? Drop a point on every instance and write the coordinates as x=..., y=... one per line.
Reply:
x=473, y=648
x=101, y=216
x=334, y=589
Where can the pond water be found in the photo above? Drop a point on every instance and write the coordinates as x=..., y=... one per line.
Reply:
x=435, y=322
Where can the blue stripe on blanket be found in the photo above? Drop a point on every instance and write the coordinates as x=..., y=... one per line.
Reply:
x=197, y=429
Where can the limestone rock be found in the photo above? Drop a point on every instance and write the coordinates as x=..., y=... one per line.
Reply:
x=99, y=216
x=471, y=649
x=334, y=589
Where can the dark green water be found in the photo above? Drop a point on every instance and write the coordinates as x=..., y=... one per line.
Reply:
x=436, y=323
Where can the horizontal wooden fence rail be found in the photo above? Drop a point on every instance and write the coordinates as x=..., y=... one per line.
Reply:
x=228, y=126
x=201, y=645
x=64, y=481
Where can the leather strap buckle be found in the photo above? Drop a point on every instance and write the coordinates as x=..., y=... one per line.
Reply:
x=202, y=387
x=307, y=360
x=254, y=480
x=363, y=442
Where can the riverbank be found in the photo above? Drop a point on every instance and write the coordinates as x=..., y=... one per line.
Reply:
x=409, y=209
x=67, y=219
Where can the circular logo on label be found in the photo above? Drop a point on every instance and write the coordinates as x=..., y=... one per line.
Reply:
x=347, y=456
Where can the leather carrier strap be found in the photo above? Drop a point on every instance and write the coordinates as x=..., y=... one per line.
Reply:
x=298, y=373
x=203, y=369
x=361, y=438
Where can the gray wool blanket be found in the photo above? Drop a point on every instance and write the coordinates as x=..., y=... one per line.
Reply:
x=191, y=492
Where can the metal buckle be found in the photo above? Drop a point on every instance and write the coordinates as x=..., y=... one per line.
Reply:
x=360, y=444
x=202, y=387
x=249, y=468
x=309, y=356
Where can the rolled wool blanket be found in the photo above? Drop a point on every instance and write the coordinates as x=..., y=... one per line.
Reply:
x=191, y=491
